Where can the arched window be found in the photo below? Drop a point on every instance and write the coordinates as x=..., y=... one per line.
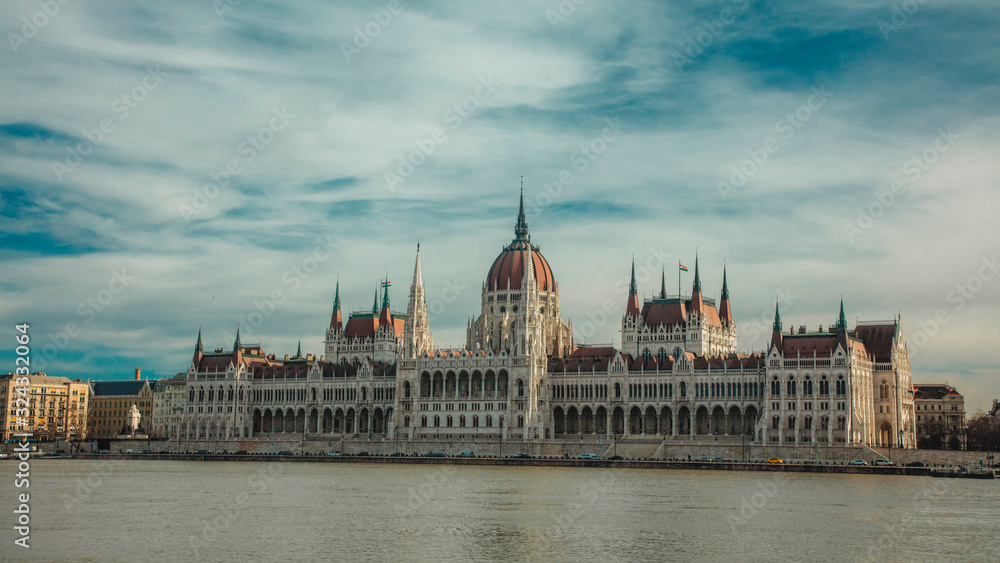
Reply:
x=423, y=421
x=775, y=387
x=791, y=423
x=475, y=421
x=437, y=421
x=406, y=421
x=520, y=388
x=406, y=389
x=618, y=391
x=841, y=386
x=449, y=420
x=489, y=421
x=824, y=386
x=191, y=395
x=807, y=386
x=201, y=394
x=364, y=395
x=775, y=422
x=684, y=389
x=791, y=385
x=461, y=421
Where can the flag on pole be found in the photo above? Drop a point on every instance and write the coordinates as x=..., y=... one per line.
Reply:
x=386, y=284
x=683, y=267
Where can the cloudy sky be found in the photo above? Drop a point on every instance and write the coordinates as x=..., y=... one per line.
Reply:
x=170, y=166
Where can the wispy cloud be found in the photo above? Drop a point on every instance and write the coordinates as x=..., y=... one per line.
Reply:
x=683, y=128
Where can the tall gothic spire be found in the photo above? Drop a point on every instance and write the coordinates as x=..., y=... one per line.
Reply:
x=418, y=278
x=697, y=277
x=385, y=292
x=632, y=307
x=776, y=337
x=298, y=353
x=199, y=347
x=842, y=320
x=336, y=320
x=386, y=317
x=725, y=311
x=663, y=283
x=375, y=302
x=521, y=229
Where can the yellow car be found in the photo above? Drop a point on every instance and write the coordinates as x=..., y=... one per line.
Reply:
x=775, y=460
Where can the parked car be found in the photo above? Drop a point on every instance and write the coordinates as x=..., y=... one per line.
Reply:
x=466, y=454
x=163, y=452
x=591, y=457
x=883, y=462
x=397, y=454
x=616, y=458
x=705, y=458
x=434, y=454
x=521, y=456
x=333, y=453
x=775, y=460
x=206, y=451
x=717, y=460
x=285, y=452
x=241, y=452
x=915, y=464
x=858, y=462
x=362, y=454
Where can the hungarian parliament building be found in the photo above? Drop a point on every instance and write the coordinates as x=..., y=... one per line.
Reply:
x=520, y=374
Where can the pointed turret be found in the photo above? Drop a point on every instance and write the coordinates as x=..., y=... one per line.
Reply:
x=417, y=336
x=385, y=319
x=725, y=312
x=842, y=319
x=336, y=320
x=199, y=348
x=298, y=353
x=663, y=283
x=776, y=336
x=237, y=348
x=696, y=300
x=632, y=307
x=375, y=303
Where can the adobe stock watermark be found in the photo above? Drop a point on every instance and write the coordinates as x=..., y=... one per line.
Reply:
x=88, y=309
x=30, y=26
x=366, y=33
x=293, y=278
x=453, y=289
x=581, y=158
x=959, y=297
x=425, y=492
x=786, y=127
x=247, y=151
x=123, y=106
x=454, y=117
x=563, y=11
x=694, y=46
x=913, y=169
x=900, y=16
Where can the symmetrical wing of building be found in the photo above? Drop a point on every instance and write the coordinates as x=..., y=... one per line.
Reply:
x=520, y=374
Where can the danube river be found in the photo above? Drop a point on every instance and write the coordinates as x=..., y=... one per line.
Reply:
x=87, y=510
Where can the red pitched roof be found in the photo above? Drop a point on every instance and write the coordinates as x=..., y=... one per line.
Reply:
x=878, y=339
x=656, y=313
x=804, y=345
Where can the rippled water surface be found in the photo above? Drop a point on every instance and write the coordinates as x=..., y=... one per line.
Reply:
x=246, y=511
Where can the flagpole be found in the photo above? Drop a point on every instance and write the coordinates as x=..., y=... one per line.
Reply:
x=679, y=280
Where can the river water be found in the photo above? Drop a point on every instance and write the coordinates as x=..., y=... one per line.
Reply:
x=88, y=510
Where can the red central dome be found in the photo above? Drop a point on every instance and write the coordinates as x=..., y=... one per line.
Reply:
x=507, y=270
